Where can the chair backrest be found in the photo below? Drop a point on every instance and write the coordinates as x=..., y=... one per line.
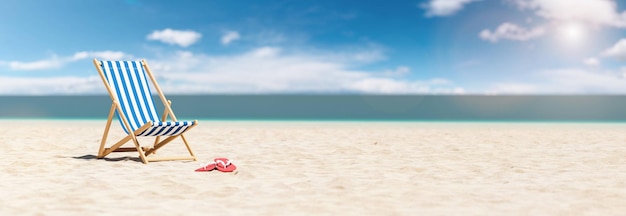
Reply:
x=129, y=85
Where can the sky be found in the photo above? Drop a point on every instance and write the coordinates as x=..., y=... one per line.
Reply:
x=477, y=47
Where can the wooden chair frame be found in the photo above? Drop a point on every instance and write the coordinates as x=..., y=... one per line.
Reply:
x=144, y=152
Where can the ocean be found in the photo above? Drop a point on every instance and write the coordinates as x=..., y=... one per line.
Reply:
x=579, y=108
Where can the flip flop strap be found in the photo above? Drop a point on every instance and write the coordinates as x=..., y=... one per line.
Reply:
x=226, y=164
x=209, y=163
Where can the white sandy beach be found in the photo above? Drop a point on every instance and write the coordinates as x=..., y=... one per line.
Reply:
x=321, y=168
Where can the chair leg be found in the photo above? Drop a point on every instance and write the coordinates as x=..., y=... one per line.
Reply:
x=168, y=140
x=188, y=147
x=142, y=154
x=124, y=140
x=114, y=147
x=106, y=132
x=156, y=141
x=161, y=144
x=103, y=152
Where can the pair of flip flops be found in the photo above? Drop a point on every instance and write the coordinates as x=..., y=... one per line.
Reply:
x=221, y=164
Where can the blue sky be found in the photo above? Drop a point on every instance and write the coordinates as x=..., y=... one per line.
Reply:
x=328, y=47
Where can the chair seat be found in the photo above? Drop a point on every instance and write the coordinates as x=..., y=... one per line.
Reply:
x=167, y=128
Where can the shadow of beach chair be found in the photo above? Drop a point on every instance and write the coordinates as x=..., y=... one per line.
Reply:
x=128, y=86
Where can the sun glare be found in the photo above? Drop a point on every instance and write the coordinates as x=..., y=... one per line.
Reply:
x=572, y=33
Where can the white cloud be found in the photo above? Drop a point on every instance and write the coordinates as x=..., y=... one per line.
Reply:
x=105, y=55
x=622, y=72
x=265, y=52
x=273, y=69
x=50, y=85
x=618, y=50
x=565, y=81
x=399, y=71
x=272, y=37
x=229, y=37
x=55, y=61
x=175, y=37
x=582, y=81
x=444, y=7
x=261, y=70
x=51, y=63
x=366, y=56
x=594, y=62
x=571, y=19
x=380, y=85
x=512, y=88
x=511, y=31
x=602, y=12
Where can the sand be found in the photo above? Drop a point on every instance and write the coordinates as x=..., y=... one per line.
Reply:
x=48, y=167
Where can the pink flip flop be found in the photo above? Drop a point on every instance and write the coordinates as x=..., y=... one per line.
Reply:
x=224, y=165
x=207, y=168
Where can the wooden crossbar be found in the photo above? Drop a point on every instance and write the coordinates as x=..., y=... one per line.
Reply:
x=129, y=149
x=154, y=159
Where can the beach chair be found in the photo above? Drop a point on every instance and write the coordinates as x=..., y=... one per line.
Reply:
x=127, y=84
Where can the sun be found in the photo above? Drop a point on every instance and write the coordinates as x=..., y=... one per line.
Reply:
x=572, y=33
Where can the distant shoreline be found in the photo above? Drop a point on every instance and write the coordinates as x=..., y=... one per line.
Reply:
x=294, y=107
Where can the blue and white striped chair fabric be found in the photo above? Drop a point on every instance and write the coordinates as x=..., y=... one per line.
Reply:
x=127, y=80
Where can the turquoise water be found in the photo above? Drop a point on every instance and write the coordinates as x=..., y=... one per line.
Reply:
x=427, y=108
